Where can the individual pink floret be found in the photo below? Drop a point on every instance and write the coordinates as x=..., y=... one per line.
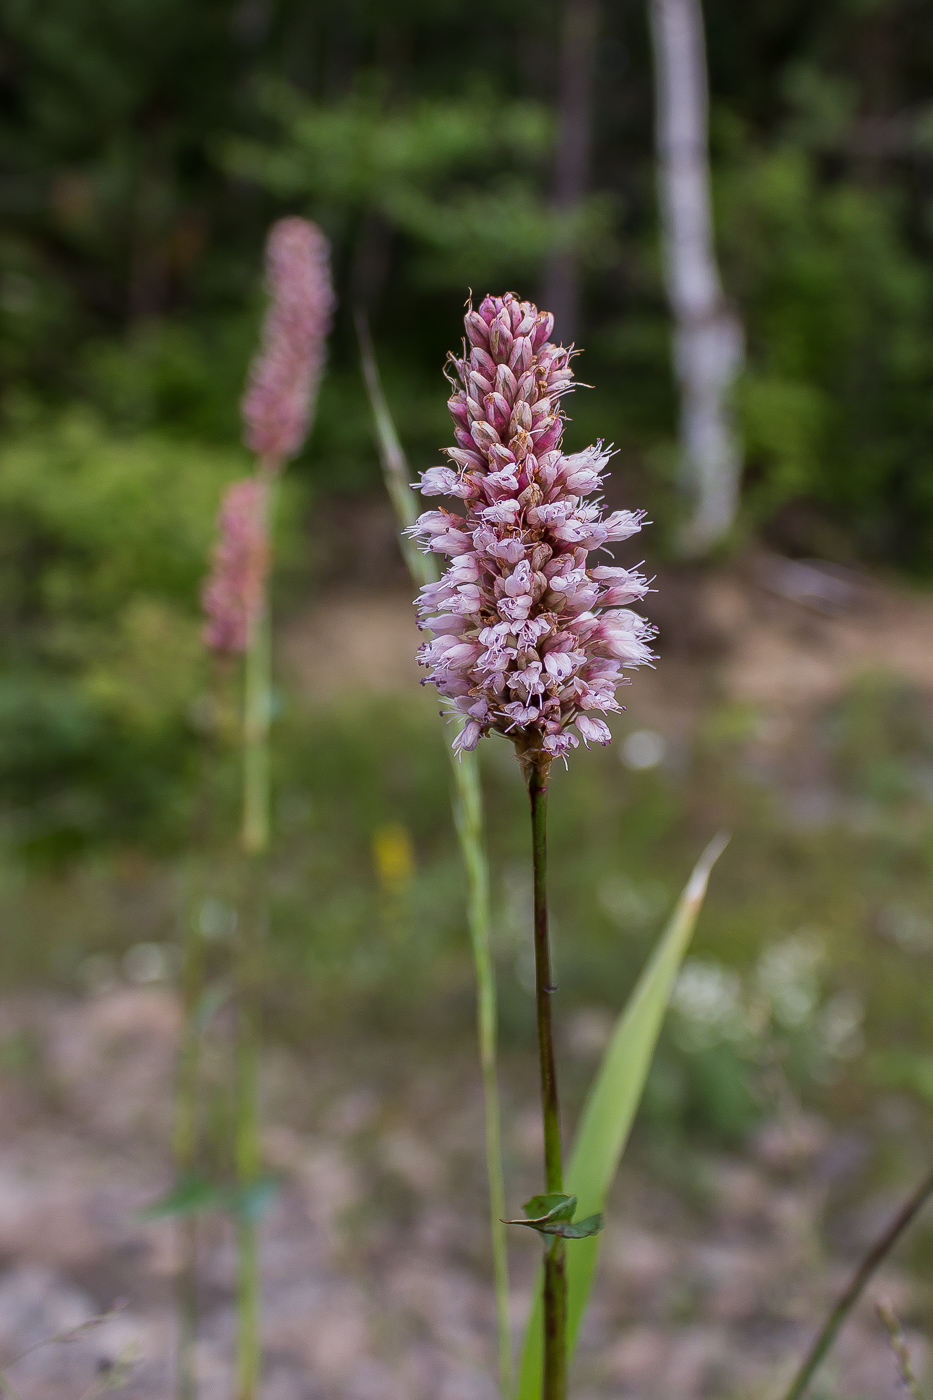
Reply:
x=527, y=639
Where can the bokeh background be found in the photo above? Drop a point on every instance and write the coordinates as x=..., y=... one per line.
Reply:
x=145, y=149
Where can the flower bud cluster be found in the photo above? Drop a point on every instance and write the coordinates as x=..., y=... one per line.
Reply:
x=528, y=639
x=233, y=592
x=284, y=377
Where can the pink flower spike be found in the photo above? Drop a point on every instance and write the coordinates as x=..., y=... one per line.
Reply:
x=528, y=640
x=232, y=594
x=283, y=382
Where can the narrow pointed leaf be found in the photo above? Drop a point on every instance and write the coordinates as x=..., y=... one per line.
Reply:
x=567, y=1231
x=468, y=819
x=610, y=1108
x=395, y=468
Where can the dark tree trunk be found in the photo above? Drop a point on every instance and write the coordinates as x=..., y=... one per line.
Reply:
x=572, y=166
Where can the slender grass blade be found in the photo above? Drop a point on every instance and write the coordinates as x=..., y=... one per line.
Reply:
x=610, y=1108
x=468, y=819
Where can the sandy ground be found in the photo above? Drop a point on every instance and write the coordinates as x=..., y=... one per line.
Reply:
x=374, y=1288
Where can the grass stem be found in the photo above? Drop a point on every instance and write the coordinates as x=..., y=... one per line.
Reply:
x=186, y=1294
x=856, y=1286
x=186, y=1146
x=901, y=1353
x=257, y=707
x=468, y=812
x=468, y=816
x=192, y=986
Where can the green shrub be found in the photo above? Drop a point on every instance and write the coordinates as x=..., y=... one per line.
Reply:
x=103, y=544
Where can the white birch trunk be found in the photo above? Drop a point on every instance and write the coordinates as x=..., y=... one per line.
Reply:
x=708, y=341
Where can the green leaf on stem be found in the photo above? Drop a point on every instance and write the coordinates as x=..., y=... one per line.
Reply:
x=193, y=1195
x=255, y=1200
x=541, y=1209
x=553, y=1214
x=190, y=1195
x=610, y=1108
x=581, y=1229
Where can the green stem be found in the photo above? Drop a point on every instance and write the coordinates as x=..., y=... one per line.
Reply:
x=186, y=1294
x=7, y=1388
x=901, y=1353
x=555, y=1321
x=186, y=1106
x=255, y=841
x=544, y=988
x=189, y=1057
x=192, y=979
x=246, y=1162
x=850, y=1296
x=555, y=1277
x=468, y=813
x=395, y=469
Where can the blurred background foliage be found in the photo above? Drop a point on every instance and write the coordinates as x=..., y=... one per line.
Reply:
x=145, y=149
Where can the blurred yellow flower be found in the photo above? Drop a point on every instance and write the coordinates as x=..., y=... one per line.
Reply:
x=393, y=857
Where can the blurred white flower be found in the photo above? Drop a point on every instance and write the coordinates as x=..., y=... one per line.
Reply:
x=909, y=929
x=216, y=919
x=708, y=1000
x=631, y=905
x=788, y=974
x=147, y=962
x=839, y=1026
x=643, y=748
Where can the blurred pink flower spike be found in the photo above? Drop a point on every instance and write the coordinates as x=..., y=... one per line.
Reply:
x=527, y=639
x=233, y=593
x=278, y=405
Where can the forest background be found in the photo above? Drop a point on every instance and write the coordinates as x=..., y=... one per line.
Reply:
x=145, y=148
x=146, y=145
